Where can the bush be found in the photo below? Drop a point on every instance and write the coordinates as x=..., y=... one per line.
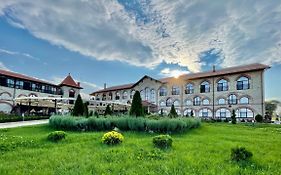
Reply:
x=56, y=136
x=78, y=109
x=240, y=154
x=112, y=138
x=173, y=113
x=13, y=118
x=162, y=125
x=162, y=141
x=233, y=117
x=136, y=107
x=258, y=118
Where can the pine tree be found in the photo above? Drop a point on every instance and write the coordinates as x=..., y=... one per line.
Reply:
x=136, y=107
x=191, y=114
x=233, y=117
x=107, y=110
x=173, y=113
x=78, y=109
x=86, y=110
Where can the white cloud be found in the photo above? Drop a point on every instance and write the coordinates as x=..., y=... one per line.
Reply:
x=2, y=66
x=167, y=72
x=171, y=31
x=4, y=51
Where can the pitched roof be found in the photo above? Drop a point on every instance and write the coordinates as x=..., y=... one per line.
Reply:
x=24, y=77
x=68, y=81
x=221, y=72
x=125, y=86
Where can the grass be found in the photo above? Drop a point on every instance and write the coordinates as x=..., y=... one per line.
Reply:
x=205, y=150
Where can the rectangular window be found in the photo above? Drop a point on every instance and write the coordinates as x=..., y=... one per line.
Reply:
x=19, y=84
x=204, y=88
x=241, y=85
x=222, y=87
x=10, y=83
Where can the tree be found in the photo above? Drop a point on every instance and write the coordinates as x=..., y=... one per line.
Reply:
x=86, y=110
x=270, y=108
x=191, y=113
x=258, y=118
x=78, y=109
x=233, y=117
x=136, y=107
x=108, y=110
x=173, y=113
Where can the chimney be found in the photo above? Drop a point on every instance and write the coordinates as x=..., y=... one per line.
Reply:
x=104, y=86
x=214, y=68
x=78, y=83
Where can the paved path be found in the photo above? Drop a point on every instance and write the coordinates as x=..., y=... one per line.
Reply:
x=23, y=123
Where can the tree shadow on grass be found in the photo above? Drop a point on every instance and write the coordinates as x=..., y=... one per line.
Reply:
x=250, y=165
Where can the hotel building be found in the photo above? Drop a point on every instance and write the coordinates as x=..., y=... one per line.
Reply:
x=22, y=93
x=212, y=94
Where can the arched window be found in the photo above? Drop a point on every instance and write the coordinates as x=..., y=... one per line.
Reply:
x=169, y=102
x=197, y=101
x=71, y=93
x=125, y=95
x=162, y=91
x=244, y=100
x=243, y=83
x=189, y=89
x=222, y=85
x=188, y=102
x=232, y=99
x=205, y=87
x=223, y=113
x=178, y=111
x=142, y=94
x=176, y=103
x=162, y=103
x=152, y=96
x=189, y=112
x=117, y=95
x=147, y=93
x=221, y=101
x=132, y=94
x=205, y=112
x=244, y=113
x=205, y=102
x=110, y=95
x=163, y=111
x=175, y=90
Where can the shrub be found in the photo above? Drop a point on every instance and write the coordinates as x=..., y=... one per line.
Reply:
x=162, y=125
x=56, y=136
x=162, y=141
x=112, y=138
x=240, y=154
x=107, y=110
x=258, y=118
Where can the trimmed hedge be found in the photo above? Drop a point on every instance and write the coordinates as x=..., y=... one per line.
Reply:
x=56, y=136
x=112, y=138
x=162, y=141
x=13, y=118
x=124, y=123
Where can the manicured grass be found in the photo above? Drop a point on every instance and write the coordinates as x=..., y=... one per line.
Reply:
x=205, y=150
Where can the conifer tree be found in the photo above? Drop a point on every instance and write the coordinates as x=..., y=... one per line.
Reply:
x=86, y=110
x=136, y=107
x=173, y=113
x=233, y=117
x=78, y=109
x=107, y=110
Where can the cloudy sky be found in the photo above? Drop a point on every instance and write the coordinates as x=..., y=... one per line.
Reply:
x=118, y=41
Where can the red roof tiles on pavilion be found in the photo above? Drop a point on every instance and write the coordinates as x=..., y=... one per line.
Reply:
x=68, y=81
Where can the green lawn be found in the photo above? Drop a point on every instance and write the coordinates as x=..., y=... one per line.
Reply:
x=205, y=150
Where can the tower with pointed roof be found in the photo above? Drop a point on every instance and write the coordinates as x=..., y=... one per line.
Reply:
x=70, y=88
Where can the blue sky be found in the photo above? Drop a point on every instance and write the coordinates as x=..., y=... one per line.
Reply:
x=119, y=41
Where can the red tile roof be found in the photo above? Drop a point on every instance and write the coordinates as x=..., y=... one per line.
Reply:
x=68, y=81
x=221, y=72
x=24, y=77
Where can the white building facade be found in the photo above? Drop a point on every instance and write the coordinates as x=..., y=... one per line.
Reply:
x=213, y=94
x=14, y=85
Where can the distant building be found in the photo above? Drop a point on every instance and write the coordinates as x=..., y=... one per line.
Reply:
x=212, y=94
x=15, y=86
